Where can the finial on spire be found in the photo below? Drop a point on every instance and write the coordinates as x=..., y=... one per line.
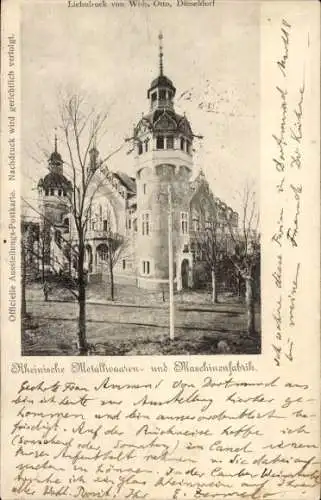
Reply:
x=55, y=143
x=160, y=37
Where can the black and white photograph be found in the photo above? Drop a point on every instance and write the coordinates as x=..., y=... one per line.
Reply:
x=160, y=250
x=140, y=203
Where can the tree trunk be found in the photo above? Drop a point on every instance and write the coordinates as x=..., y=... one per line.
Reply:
x=69, y=261
x=43, y=265
x=111, y=272
x=239, y=286
x=83, y=346
x=249, y=300
x=214, y=287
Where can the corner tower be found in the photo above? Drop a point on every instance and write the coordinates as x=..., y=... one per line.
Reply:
x=53, y=191
x=163, y=160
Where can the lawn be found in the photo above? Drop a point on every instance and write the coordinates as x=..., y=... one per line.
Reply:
x=136, y=323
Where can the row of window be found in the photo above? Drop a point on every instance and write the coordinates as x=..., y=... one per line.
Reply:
x=146, y=223
x=98, y=225
x=184, y=224
x=165, y=142
x=54, y=192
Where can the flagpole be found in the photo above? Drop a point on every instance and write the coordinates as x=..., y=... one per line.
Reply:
x=170, y=265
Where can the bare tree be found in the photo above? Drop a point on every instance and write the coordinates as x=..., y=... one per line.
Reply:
x=246, y=256
x=82, y=130
x=211, y=238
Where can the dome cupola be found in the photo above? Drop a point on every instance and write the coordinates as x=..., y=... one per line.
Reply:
x=55, y=160
x=55, y=183
x=161, y=91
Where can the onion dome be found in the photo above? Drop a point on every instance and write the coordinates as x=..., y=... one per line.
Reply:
x=163, y=82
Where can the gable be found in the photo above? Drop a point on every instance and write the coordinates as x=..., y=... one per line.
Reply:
x=165, y=123
x=185, y=127
x=143, y=127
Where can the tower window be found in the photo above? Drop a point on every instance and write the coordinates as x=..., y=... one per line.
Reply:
x=59, y=192
x=160, y=142
x=146, y=267
x=182, y=143
x=140, y=148
x=144, y=188
x=154, y=96
x=52, y=192
x=188, y=147
x=170, y=142
x=184, y=222
x=47, y=192
x=162, y=95
x=105, y=225
x=146, y=145
x=145, y=224
x=124, y=264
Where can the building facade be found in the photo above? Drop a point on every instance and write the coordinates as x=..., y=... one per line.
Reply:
x=141, y=208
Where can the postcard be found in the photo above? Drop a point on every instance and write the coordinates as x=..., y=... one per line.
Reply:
x=160, y=313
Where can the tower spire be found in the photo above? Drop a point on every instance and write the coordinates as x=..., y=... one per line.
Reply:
x=160, y=37
x=55, y=143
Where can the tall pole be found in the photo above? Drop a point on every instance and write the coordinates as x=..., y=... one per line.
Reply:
x=170, y=265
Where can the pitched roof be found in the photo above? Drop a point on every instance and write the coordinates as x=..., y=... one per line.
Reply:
x=127, y=181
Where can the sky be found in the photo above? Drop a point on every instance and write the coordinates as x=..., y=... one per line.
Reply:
x=111, y=56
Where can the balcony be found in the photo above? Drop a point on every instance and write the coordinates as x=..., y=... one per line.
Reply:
x=98, y=234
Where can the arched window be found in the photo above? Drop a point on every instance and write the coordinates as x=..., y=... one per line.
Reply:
x=146, y=145
x=140, y=148
x=182, y=143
